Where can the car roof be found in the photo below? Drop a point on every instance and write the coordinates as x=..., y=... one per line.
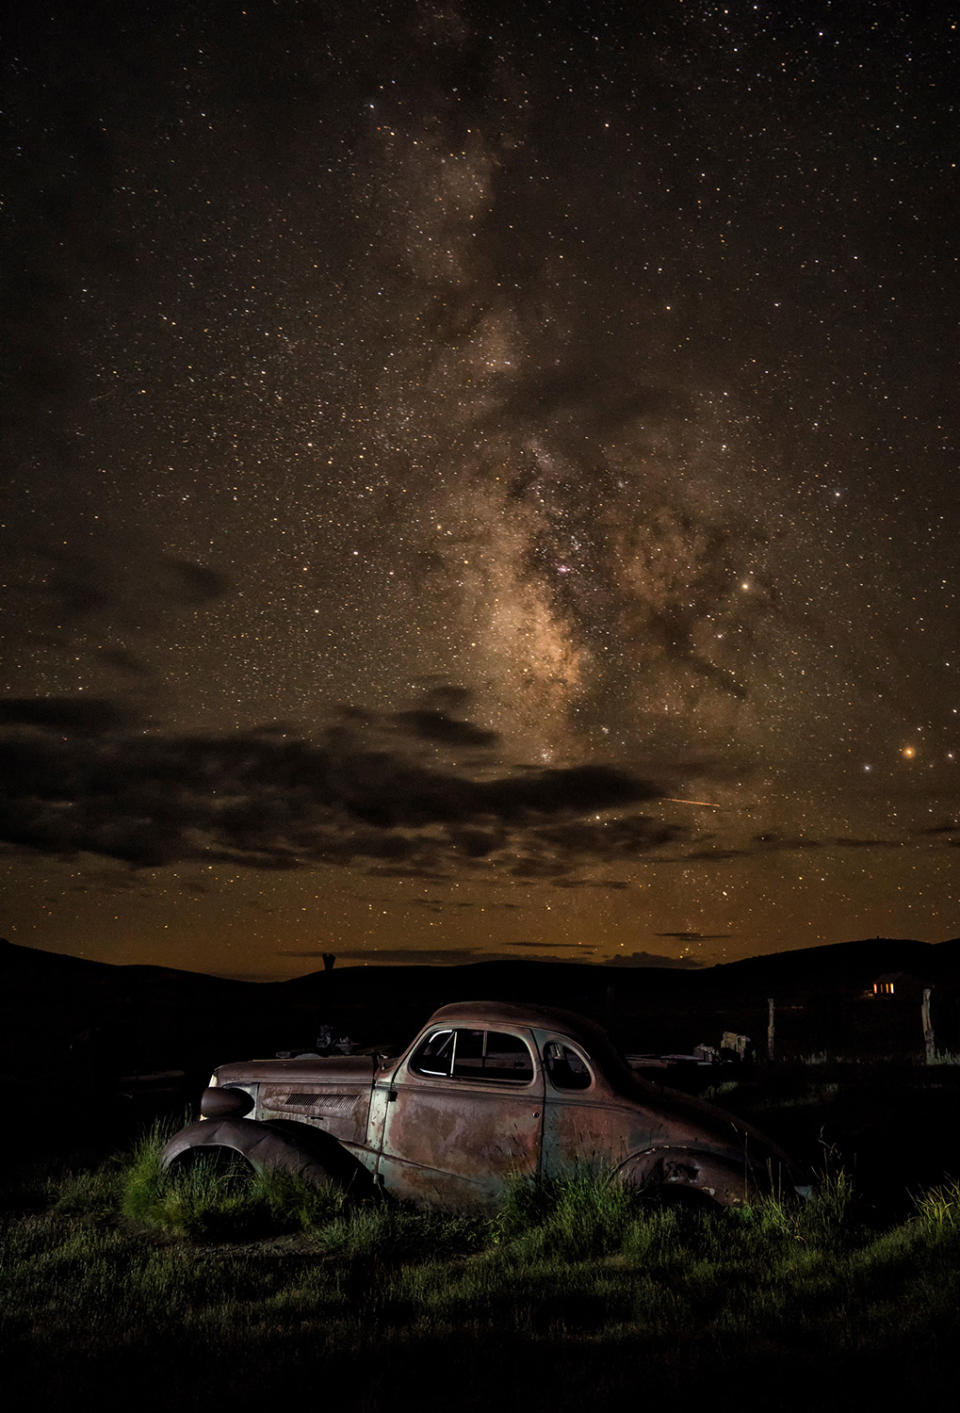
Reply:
x=492, y=1013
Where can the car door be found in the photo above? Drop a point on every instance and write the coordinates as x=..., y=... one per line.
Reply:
x=463, y=1116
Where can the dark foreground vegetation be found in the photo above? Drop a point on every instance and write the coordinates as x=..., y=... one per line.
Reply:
x=139, y=1291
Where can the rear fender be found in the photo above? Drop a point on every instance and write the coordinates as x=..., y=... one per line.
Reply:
x=281, y=1144
x=689, y=1170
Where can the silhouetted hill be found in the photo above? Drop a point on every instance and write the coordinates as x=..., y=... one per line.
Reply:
x=841, y=964
x=80, y=1024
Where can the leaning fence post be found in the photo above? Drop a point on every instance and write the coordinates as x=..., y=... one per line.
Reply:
x=929, y=1041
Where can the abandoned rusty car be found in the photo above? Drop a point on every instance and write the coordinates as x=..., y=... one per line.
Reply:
x=487, y=1092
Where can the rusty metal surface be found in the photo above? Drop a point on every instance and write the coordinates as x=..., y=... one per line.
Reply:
x=311, y=1155
x=334, y=1069
x=488, y=1092
x=332, y=1107
x=453, y=1141
x=226, y=1101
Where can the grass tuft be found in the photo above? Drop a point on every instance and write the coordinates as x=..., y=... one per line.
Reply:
x=939, y=1206
x=209, y=1199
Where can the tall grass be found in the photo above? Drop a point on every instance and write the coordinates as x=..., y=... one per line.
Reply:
x=195, y=1290
x=939, y=1207
x=210, y=1198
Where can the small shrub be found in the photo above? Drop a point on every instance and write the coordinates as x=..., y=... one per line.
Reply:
x=525, y=1202
x=218, y=1194
x=585, y=1214
x=939, y=1206
x=144, y=1176
x=293, y=1202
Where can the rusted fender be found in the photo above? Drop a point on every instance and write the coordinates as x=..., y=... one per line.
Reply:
x=280, y=1144
x=689, y=1169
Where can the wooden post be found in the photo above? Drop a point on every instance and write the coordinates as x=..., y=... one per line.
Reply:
x=929, y=1041
x=771, y=1030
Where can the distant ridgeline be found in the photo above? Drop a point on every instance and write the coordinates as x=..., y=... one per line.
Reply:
x=860, y=999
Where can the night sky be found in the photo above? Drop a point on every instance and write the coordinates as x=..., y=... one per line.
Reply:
x=481, y=480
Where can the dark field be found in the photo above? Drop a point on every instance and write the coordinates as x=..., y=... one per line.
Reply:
x=140, y=1297
x=117, y=1287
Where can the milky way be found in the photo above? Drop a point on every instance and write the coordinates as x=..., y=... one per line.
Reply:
x=482, y=478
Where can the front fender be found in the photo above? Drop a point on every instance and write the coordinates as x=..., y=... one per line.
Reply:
x=283, y=1144
x=690, y=1170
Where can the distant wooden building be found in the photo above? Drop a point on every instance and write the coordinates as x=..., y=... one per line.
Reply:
x=900, y=985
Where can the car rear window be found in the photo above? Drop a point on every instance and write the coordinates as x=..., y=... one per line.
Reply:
x=565, y=1067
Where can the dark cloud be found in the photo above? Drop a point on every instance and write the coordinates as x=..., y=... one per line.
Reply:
x=773, y=841
x=653, y=959
x=591, y=394
x=708, y=856
x=695, y=936
x=428, y=875
x=577, y=947
x=608, y=885
x=441, y=695
x=98, y=602
x=432, y=725
x=124, y=660
x=629, y=837
x=84, y=586
x=191, y=584
x=539, y=868
x=76, y=783
x=86, y=715
x=410, y=956
x=845, y=842
x=442, y=905
x=780, y=843
x=477, y=843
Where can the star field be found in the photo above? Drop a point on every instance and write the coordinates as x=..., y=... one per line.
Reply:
x=482, y=481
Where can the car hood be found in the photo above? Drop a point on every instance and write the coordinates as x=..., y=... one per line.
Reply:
x=353, y=1070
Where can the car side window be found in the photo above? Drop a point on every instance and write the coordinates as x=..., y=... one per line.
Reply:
x=565, y=1067
x=488, y=1055
x=435, y=1055
x=492, y=1055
